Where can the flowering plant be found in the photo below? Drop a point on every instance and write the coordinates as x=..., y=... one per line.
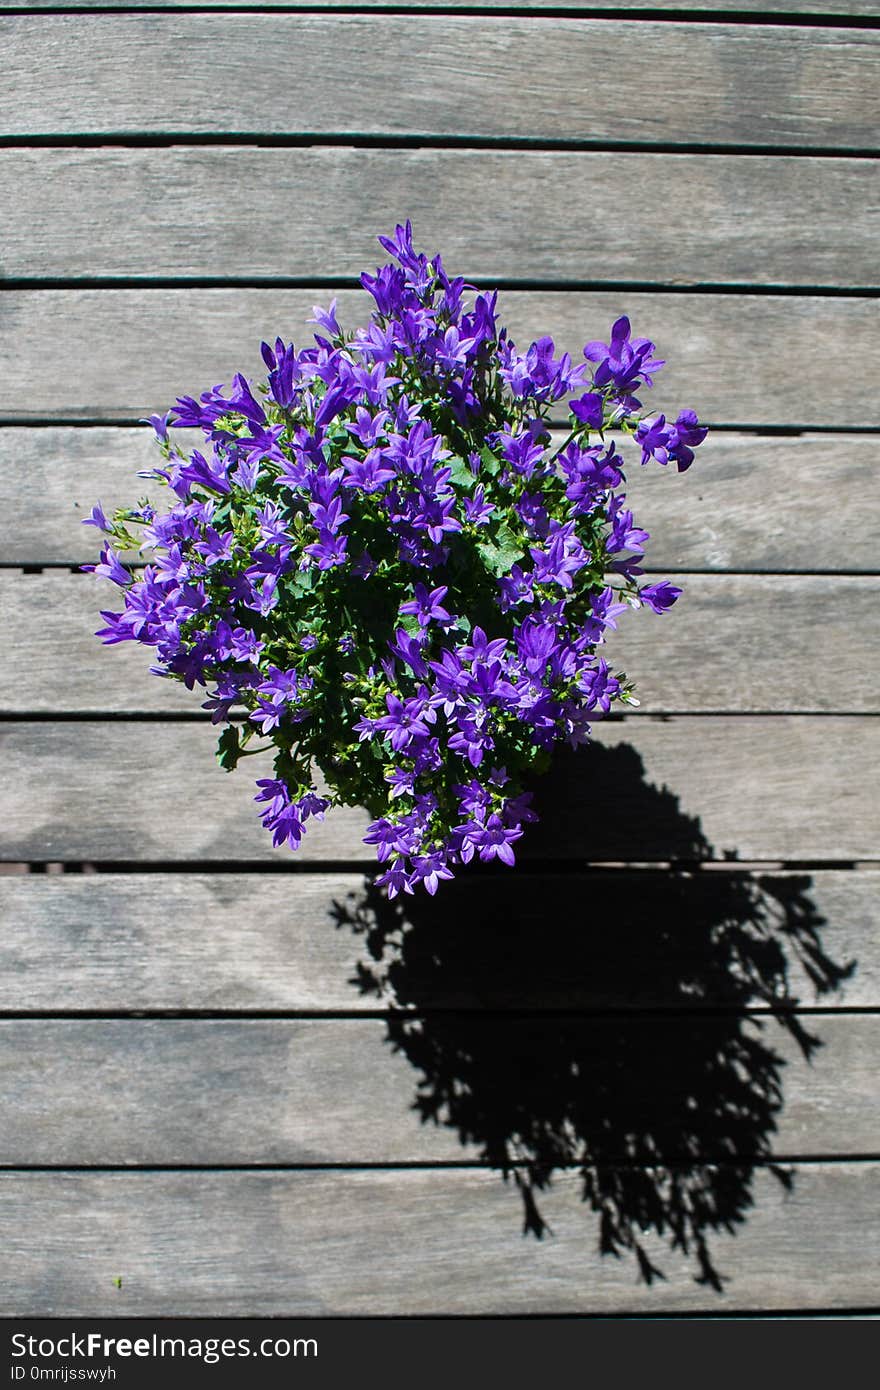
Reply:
x=385, y=567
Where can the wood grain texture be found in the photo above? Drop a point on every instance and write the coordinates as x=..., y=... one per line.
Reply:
x=743, y=786
x=92, y=213
x=814, y=492
x=728, y=656
x=58, y=660
x=317, y=1091
x=664, y=1060
x=248, y=1244
x=252, y=942
x=743, y=643
x=182, y=73
x=137, y=350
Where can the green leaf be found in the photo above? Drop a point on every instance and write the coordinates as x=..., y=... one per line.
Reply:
x=304, y=581
x=501, y=552
x=228, y=748
x=491, y=464
x=462, y=476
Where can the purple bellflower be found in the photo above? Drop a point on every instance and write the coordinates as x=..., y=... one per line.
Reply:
x=378, y=568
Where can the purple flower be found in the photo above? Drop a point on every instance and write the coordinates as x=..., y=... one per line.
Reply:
x=515, y=588
x=335, y=400
x=521, y=452
x=539, y=374
x=480, y=648
x=453, y=350
x=213, y=475
x=388, y=288
x=281, y=815
x=659, y=596
x=494, y=840
x=671, y=443
x=313, y=805
x=588, y=410
x=599, y=686
x=159, y=425
x=405, y=720
x=111, y=567
x=368, y=427
x=605, y=611
x=560, y=562
x=328, y=550
x=400, y=246
x=536, y=641
x=389, y=838
x=285, y=372
x=409, y=649
x=624, y=363
x=429, y=869
x=97, y=518
x=376, y=562
x=690, y=434
x=624, y=534
x=472, y=739
x=367, y=473
x=488, y=684
x=326, y=319
x=477, y=511
x=401, y=781
x=395, y=880
x=426, y=605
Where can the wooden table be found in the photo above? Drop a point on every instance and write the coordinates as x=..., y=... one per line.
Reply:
x=232, y=1083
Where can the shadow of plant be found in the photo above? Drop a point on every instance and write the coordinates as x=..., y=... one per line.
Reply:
x=597, y=1019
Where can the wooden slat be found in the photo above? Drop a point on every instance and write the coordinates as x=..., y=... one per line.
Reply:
x=59, y=661
x=813, y=492
x=762, y=86
x=433, y=1242
x=760, y=788
x=92, y=213
x=136, y=350
x=271, y=942
x=122, y=1092
x=742, y=643
x=729, y=656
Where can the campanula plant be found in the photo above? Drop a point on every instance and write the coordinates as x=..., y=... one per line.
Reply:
x=379, y=565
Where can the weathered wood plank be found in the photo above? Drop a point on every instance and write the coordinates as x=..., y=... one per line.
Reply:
x=159, y=941
x=182, y=73
x=729, y=656
x=94, y=212
x=136, y=350
x=57, y=661
x=746, y=785
x=813, y=494
x=288, y=1244
x=738, y=643
x=185, y=1092
x=812, y=490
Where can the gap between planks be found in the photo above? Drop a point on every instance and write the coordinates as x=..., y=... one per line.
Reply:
x=837, y=14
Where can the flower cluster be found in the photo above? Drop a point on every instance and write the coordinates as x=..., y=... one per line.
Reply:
x=380, y=565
